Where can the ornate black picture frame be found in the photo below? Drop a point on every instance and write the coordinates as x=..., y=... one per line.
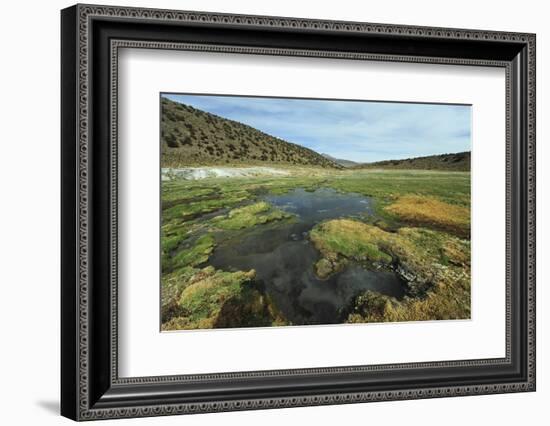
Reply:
x=91, y=36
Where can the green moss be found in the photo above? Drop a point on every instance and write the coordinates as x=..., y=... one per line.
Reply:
x=203, y=299
x=176, y=192
x=218, y=299
x=248, y=216
x=173, y=234
x=186, y=211
x=348, y=238
x=170, y=243
x=187, y=202
x=196, y=254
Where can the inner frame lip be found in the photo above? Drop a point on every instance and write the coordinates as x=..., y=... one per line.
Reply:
x=231, y=95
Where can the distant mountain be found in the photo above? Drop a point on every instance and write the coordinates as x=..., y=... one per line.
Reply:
x=459, y=161
x=342, y=162
x=191, y=137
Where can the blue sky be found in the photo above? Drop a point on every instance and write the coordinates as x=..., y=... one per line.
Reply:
x=358, y=131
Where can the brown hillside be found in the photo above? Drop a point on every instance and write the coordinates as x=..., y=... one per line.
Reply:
x=191, y=137
x=459, y=161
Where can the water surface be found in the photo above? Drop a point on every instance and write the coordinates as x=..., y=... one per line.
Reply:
x=283, y=258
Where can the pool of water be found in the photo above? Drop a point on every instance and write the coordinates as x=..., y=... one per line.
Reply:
x=321, y=204
x=283, y=258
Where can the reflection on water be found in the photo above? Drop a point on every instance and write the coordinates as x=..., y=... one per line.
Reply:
x=316, y=206
x=283, y=258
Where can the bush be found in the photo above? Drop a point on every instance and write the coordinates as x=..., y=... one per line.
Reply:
x=171, y=140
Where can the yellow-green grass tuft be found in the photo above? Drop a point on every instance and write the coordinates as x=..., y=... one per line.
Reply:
x=251, y=215
x=349, y=238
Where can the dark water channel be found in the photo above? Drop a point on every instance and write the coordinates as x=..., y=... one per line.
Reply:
x=283, y=258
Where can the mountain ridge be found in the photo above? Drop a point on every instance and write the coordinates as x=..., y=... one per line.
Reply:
x=459, y=161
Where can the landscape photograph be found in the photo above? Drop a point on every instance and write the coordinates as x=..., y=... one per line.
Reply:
x=305, y=212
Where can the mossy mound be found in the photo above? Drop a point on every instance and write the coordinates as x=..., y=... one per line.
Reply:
x=342, y=239
x=202, y=301
x=248, y=216
x=210, y=298
x=195, y=255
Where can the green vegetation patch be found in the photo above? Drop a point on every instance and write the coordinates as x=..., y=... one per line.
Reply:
x=218, y=299
x=184, y=201
x=203, y=299
x=196, y=254
x=191, y=210
x=248, y=216
x=349, y=238
x=388, y=185
x=175, y=193
x=173, y=234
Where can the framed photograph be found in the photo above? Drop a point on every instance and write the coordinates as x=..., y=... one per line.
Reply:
x=263, y=212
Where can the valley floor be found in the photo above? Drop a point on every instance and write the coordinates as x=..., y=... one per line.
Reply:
x=249, y=247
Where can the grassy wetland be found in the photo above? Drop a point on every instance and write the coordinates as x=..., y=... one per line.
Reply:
x=298, y=239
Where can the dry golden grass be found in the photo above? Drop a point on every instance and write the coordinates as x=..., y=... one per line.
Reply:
x=449, y=299
x=429, y=211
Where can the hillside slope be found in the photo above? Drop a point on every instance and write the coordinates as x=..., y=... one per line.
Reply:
x=191, y=137
x=459, y=161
